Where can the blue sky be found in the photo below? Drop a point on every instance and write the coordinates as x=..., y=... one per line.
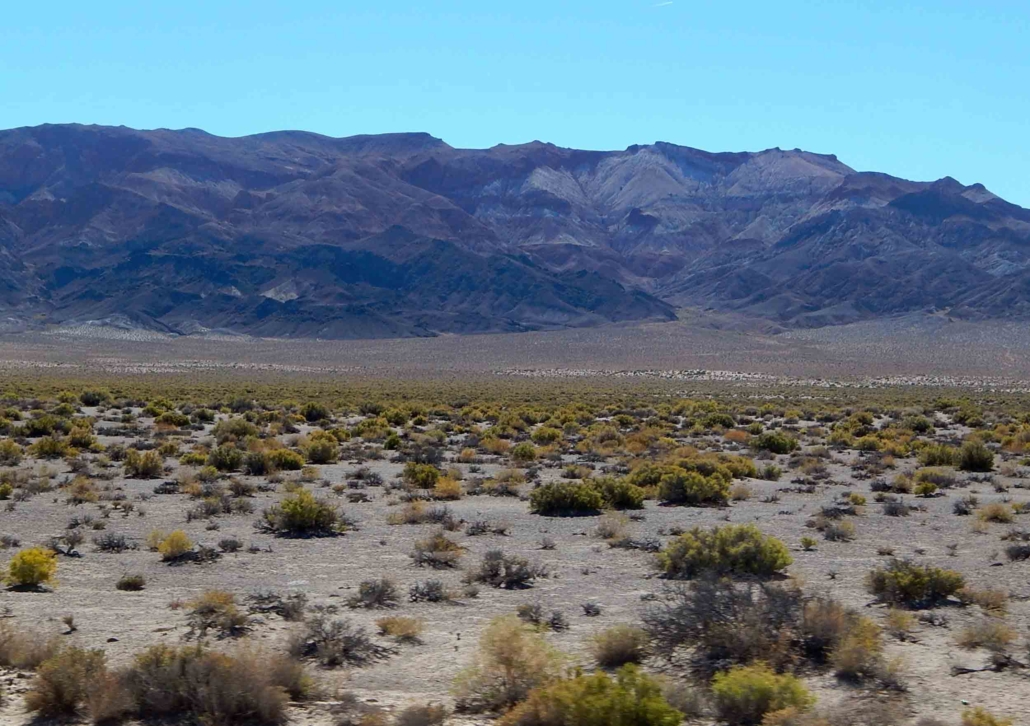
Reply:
x=916, y=89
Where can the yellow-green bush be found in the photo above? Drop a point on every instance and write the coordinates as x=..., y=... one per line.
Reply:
x=745, y=694
x=143, y=465
x=618, y=493
x=631, y=698
x=774, y=441
x=911, y=585
x=32, y=567
x=980, y=716
x=302, y=515
x=975, y=456
x=174, y=546
x=420, y=476
x=565, y=498
x=285, y=460
x=693, y=488
x=732, y=549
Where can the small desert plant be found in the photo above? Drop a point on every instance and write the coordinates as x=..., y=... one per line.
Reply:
x=143, y=465
x=727, y=550
x=175, y=546
x=998, y=512
x=437, y=551
x=246, y=688
x=618, y=645
x=217, y=611
x=302, y=515
x=693, y=488
x=380, y=593
x=982, y=717
x=401, y=629
x=430, y=714
x=990, y=633
x=336, y=642
x=428, y=591
x=24, y=648
x=506, y=571
x=130, y=583
x=910, y=585
x=774, y=442
x=858, y=653
x=990, y=600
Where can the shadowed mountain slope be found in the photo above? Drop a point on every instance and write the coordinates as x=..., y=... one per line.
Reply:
x=296, y=234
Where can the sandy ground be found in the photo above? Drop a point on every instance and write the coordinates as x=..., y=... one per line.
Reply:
x=583, y=568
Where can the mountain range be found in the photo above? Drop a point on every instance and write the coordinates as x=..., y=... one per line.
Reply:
x=296, y=234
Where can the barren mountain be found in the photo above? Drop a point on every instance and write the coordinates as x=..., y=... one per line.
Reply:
x=292, y=233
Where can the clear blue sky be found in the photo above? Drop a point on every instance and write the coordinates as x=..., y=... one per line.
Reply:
x=919, y=89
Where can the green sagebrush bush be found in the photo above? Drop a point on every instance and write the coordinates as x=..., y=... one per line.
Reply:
x=745, y=694
x=905, y=583
x=302, y=515
x=566, y=497
x=631, y=697
x=732, y=549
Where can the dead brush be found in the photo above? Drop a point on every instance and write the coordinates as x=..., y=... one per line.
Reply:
x=401, y=629
x=334, y=643
x=24, y=648
x=437, y=551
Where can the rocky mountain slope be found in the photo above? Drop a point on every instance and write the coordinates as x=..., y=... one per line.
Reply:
x=295, y=234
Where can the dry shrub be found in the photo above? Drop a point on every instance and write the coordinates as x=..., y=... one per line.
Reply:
x=991, y=600
x=246, y=688
x=64, y=680
x=381, y=593
x=858, y=655
x=740, y=492
x=437, y=551
x=447, y=489
x=302, y=515
x=431, y=714
x=512, y=660
x=217, y=611
x=25, y=649
x=990, y=633
x=997, y=512
x=982, y=717
x=721, y=622
x=910, y=585
x=402, y=629
x=899, y=623
x=510, y=572
x=618, y=645
x=336, y=642
x=612, y=526
x=736, y=436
